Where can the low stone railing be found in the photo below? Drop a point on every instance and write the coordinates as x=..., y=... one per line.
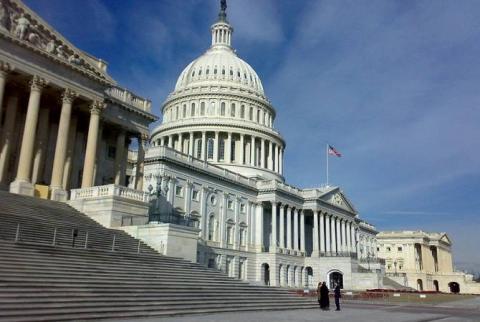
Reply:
x=110, y=190
x=129, y=98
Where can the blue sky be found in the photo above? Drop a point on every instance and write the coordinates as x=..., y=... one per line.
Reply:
x=393, y=85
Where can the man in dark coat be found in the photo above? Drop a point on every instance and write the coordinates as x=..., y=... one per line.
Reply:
x=338, y=295
x=324, y=301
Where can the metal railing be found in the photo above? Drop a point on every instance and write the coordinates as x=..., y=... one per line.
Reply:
x=78, y=238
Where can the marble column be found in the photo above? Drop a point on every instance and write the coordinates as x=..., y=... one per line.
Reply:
x=280, y=161
x=170, y=141
x=180, y=143
x=41, y=146
x=348, y=234
x=242, y=149
x=69, y=161
x=322, y=233
x=333, y=235
x=204, y=146
x=8, y=137
x=270, y=155
x=282, y=226
x=328, y=247
x=276, y=159
x=315, y=234
x=338, y=235
x=215, y=146
x=142, y=141
x=56, y=189
x=302, y=230
x=119, y=156
x=228, y=148
x=5, y=69
x=22, y=184
x=295, y=230
x=274, y=227
x=259, y=227
x=223, y=220
x=344, y=241
x=162, y=141
x=289, y=227
x=252, y=151
x=354, y=242
x=190, y=144
x=262, y=153
x=92, y=141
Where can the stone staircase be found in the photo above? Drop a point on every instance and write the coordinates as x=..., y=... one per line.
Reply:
x=43, y=281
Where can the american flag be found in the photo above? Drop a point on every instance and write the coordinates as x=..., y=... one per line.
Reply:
x=332, y=151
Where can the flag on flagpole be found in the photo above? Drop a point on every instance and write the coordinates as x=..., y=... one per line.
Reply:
x=333, y=151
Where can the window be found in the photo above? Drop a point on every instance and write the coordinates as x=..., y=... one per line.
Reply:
x=179, y=191
x=222, y=109
x=242, y=207
x=208, y=71
x=193, y=74
x=400, y=249
x=378, y=249
x=223, y=71
x=212, y=225
x=242, y=236
x=230, y=234
x=400, y=266
x=210, y=148
x=221, y=149
x=192, y=111
x=202, y=108
x=230, y=204
x=200, y=72
x=258, y=116
x=111, y=152
x=184, y=114
x=232, y=150
x=389, y=266
x=213, y=200
x=199, y=149
x=176, y=112
x=242, y=112
x=388, y=249
x=215, y=71
x=233, y=111
x=231, y=72
x=195, y=195
x=250, y=115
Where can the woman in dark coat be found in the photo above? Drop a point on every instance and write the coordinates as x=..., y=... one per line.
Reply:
x=324, y=301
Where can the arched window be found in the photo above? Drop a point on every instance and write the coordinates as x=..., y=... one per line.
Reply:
x=177, y=115
x=242, y=112
x=193, y=74
x=184, y=114
x=212, y=108
x=232, y=149
x=233, y=110
x=199, y=148
x=223, y=71
x=215, y=71
x=208, y=71
x=192, y=110
x=210, y=148
x=222, y=109
x=200, y=72
x=250, y=115
x=221, y=149
x=212, y=224
x=202, y=108
x=258, y=116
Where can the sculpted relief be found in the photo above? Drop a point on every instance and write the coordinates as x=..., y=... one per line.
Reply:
x=23, y=27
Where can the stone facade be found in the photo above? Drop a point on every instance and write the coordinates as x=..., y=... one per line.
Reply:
x=423, y=261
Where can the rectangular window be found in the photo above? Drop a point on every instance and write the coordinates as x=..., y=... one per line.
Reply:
x=195, y=195
x=221, y=150
x=179, y=191
x=388, y=249
x=400, y=249
x=230, y=204
x=242, y=207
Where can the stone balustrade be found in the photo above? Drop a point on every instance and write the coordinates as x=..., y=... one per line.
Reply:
x=110, y=190
x=128, y=97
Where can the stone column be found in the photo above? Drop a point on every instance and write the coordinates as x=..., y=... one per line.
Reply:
x=100, y=154
x=322, y=232
x=333, y=235
x=252, y=151
x=190, y=144
x=170, y=141
x=282, y=226
x=338, y=235
x=276, y=159
x=262, y=156
x=280, y=161
x=203, y=212
x=56, y=189
x=41, y=145
x=162, y=141
x=142, y=141
x=92, y=141
x=302, y=230
x=180, y=143
x=188, y=198
x=295, y=230
x=119, y=156
x=270, y=155
x=228, y=148
x=354, y=240
x=204, y=145
x=259, y=227
x=344, y=241
x=22, y=184
x=327, y=234
x=289, y=227
x=315, y=234
x=215, y=147
x=69, y=161
x=274, y=244
x=167, y=180
x=8, y=136
x=5, y=68
x=348, y=235
x=242, y=149
x=223, y=219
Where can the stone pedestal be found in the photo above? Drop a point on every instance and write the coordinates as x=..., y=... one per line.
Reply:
x=58, y=194
x=22, y=187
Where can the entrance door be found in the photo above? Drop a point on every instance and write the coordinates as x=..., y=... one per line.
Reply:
x=336, y=278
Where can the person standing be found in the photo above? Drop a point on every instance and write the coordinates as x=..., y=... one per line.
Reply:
x=338, y=295
x=319, y=297
x=324, y=300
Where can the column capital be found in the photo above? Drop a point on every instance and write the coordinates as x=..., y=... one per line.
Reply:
x=68, y=96
x=5, y=68
x=143, y=137
x=37, y=83
x=97, y=107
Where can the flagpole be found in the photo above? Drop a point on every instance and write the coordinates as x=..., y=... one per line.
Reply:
x=326, y=151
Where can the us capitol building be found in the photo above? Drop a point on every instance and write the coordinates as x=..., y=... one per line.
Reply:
x=206, y=184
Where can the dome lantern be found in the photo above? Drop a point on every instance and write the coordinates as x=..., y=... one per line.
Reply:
x=221, y=30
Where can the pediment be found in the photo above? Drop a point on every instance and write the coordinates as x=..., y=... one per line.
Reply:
x=445, y=239
x=337, y=198
x=22, y=25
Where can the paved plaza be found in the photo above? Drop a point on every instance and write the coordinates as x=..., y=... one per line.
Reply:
x=468, y=310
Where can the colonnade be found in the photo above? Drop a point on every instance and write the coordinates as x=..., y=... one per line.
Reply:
x=34, y=140
x=227, y=147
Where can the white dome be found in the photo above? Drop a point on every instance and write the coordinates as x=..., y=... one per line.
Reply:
x=221, y=65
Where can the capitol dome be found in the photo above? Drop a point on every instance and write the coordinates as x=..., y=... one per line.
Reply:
x=218, y=113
